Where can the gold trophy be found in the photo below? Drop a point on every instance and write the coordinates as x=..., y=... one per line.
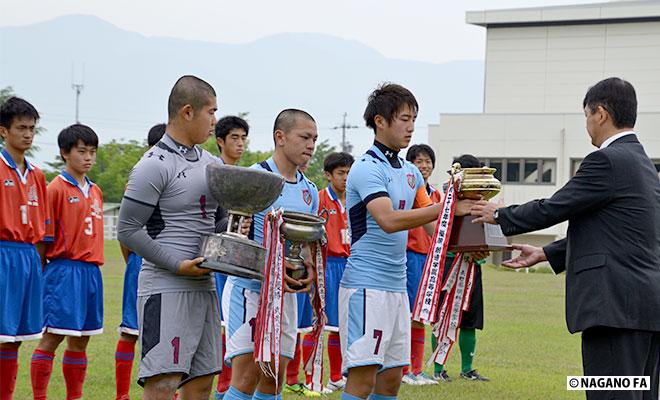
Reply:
x=476, y=184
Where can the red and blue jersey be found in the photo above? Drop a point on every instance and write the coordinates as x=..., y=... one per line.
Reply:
x=418, y=240
x=77, y=220
x=24, y=210
x=331, y=208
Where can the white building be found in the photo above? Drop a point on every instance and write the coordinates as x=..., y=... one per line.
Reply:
x=539, y=64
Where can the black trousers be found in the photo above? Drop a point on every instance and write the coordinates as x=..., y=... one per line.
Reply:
x=614, y=351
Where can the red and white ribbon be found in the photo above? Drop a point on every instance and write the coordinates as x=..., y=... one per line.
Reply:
x=428, y=292
x=268, y=328
x=314, y=362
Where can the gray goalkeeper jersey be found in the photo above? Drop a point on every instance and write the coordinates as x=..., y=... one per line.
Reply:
x=167, y=193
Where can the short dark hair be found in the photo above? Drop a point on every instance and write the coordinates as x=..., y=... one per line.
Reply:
x=617, y=97
x=416, y=149
x=228, y=123
x=286, y=119
x=189, y=90
x=71, y=135
x=15, y=107
x=336, y=160
x=155, y=134
x=386, y=101
x=468, y=161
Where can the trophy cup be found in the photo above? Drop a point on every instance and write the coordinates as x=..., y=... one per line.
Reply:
x=477, y=184
x=299, y=229
x=242, y=192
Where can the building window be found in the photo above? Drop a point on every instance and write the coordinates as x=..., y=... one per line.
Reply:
x=575, y=165
x=656, y=162
x=526, y=171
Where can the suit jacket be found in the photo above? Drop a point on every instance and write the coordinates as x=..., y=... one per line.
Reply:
x=611, y=253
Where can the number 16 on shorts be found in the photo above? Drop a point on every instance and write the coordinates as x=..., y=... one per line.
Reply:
x=375, y=327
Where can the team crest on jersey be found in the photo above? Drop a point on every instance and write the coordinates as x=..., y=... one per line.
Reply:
x=307, y=196
x=9, y=182
x=33, y=198
x=411, y=180
x=74, y=199
x=97, y=212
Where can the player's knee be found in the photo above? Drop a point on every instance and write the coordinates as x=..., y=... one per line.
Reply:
x=161, y=387
x=77, y=343
x=10, y=346
x=245, y=373
x=49, y=342
x=128, y=337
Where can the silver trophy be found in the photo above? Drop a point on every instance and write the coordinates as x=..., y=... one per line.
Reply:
x=299, y=229
x=242, y=192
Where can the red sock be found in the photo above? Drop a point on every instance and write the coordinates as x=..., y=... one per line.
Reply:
x=308, y=345
x=417, y=349
x=334, y=355
x=74, y=367
x=124, y=356
x=293, y=367
x=225, y=376
x=41, y=368
x=8, y=370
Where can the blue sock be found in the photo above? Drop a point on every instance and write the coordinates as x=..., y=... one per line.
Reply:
x=346, y=396
x=234, y=394
x=264, y=396
x=375, y=396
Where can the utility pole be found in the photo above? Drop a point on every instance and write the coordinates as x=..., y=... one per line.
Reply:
x=345, y=146
x=78, y=88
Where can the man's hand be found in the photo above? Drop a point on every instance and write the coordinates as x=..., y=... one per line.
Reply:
x=244, y=228
x=300, y=285
x=191, y=268
x=463, y=207
x=529, y=256
x=484, y=211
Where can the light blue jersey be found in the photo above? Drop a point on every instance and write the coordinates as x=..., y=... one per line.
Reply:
x=301, y=195
x=378, y=259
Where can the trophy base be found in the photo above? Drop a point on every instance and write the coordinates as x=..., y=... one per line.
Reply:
x=233, y=255
x=467, y=237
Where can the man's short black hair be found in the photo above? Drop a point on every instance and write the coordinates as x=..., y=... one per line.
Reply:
x=155, y=134
x=15, y=107
x=286, y=119
x=69, y=137
x=468, y=161
x=189, y=90
x=336, y=160
x=387, y=101
x=617, y=97
x=416, y=149
x=228, y=123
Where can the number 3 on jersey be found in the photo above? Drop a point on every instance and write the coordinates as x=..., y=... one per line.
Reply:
x=89, y=229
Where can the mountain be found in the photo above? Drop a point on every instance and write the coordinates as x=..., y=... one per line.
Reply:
x=128, y=76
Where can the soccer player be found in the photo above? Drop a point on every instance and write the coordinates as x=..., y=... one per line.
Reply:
x=24, y=226
x=295, y=136
x=231, y=136
x=73, y=287
x=178, y=313
x=423, y=157
x=128, y=329
x=471, y=319
x=374, y=314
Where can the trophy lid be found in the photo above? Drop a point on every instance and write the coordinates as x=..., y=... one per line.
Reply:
x=242, y=189
x=477, y=183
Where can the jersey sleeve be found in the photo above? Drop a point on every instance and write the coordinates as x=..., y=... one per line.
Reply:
x=368, y=180
x=147, y=180
x=316, y=201
x=422, y=198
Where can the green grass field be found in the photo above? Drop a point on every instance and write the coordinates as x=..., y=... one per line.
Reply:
x=525, y=348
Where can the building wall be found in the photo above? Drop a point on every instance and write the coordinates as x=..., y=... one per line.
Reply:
x=558, y=136
x=548, y=69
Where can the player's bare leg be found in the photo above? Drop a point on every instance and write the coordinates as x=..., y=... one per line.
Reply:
x=267, y=384
x=245, y=373
x=197, y=389
x=362, y=380
x=388, y=382
x=161, y=387
x=77, y=343
x=50, y=341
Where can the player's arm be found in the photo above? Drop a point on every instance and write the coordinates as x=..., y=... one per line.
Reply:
x=125, y=252
x=422, y=199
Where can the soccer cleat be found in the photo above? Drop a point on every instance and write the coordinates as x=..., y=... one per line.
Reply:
x=335, y=386
x=410, y=379
x=301, y=390
x=474, y=376
x=425, y=379
x=442, y=376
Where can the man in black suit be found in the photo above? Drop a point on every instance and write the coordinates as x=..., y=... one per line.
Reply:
x=611, y=253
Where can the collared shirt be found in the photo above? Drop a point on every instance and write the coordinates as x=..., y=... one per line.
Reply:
x=615, y=137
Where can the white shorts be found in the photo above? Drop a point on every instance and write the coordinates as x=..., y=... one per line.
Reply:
x=239, y=307
x=374, y=328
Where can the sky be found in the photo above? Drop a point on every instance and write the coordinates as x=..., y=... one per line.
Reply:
x=422, y=30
